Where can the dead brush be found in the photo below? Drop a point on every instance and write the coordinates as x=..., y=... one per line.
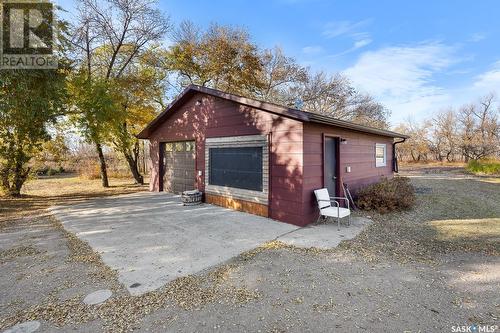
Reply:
x=387, y=195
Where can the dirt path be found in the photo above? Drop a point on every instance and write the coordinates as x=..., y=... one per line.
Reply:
x=46, y=272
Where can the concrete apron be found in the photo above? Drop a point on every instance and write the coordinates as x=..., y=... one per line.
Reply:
x=325, y=235
x=152, y=239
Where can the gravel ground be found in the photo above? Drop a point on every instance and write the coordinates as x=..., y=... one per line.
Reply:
x=45, y=272
x=411, y=236
x=307, y=292
x=399, y=275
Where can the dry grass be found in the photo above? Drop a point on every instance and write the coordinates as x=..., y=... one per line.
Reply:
x=20, y=251
x=432, y=164
x=39, y=194
x=452, y=214
x=468, y=230
x=491, y=180
x=72, y=185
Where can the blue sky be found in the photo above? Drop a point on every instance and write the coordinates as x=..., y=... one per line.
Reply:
x=415, y=57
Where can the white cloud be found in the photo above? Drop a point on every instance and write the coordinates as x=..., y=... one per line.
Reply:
x=351, y=30
x=313, y=49
x=361, y=43
x=476, y=37
x=360, y=35
x=339, y=28
x=357, y=45
x=402, y=77
x=490, y=80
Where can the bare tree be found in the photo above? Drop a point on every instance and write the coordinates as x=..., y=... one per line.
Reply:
x=333, y=95
x=279, y=75
x=326, y=94
x=418, y=147
x=470, y=133
x=480, y=129
x=365, y=110
x=446, y=136
x=120, y=29
x=288, y=83
x=109, y=36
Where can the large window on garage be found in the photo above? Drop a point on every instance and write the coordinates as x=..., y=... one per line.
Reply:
x=237, y=167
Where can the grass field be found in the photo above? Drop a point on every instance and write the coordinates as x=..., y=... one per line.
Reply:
x=406, y=164
x=484, y=167
x=468, y=229
x=455, y=211
x=41, y=193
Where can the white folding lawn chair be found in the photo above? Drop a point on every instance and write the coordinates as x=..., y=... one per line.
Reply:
x=326, y=208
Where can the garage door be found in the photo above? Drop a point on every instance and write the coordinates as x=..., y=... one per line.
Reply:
x=179, y=167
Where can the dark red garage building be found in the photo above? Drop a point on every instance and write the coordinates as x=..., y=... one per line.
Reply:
x=259, y=157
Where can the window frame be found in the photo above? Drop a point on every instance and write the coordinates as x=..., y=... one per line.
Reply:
x=384, y=162
x=259, y=149
x=261, y=197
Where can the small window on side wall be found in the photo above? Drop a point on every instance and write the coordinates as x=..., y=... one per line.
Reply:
x=380, y=155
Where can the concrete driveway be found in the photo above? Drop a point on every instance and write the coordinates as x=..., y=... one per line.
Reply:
x=151, y=239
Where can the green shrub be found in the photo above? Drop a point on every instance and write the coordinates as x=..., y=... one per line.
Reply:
x=488, y=167
x=52, y=172
x=387, y=195
x=49, y=171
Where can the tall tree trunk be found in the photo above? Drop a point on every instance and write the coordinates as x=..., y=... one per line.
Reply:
x=103, y=167
x=130, y=151
x=448, y=156
x=20, y=177
x=13, y=176
x=134, y=168
x=4, y=174
x=133, y=162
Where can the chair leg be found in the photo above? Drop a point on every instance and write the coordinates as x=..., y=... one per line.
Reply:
x=349, y=219
x=338, y=222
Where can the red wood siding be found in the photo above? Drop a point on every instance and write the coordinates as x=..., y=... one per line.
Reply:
x=358, y=152
x=216, y=117
x=296, y=151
